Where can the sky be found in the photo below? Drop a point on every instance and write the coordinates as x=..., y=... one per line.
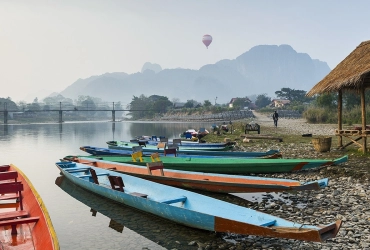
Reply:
x=47, y=45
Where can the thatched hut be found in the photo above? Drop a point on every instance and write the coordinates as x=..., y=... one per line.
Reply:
x=352, y=74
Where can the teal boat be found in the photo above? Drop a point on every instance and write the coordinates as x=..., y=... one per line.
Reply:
x=226, y=165
x=189, y=208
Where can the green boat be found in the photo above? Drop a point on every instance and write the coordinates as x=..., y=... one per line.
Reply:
x=229, y=165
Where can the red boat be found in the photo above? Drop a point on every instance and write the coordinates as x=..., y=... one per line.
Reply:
x=24, y=220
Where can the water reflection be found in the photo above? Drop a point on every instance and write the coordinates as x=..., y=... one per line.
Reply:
x=164, y=233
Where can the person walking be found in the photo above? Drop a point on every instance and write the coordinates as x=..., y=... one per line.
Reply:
x=275, y=117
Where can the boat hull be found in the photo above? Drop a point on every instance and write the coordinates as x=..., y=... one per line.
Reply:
x=197, y=210
x=206, y=181
x=231, y=165
x=38, y=235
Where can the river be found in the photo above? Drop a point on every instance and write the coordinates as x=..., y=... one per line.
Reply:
x=83, y=220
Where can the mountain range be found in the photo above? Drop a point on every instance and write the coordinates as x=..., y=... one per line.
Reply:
x=263, y=69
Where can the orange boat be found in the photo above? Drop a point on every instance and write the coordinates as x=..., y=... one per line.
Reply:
x=24, y=221
x=220, y=183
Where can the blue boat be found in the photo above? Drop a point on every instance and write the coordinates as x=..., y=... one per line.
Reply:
x=188, y=208
x=180, y=153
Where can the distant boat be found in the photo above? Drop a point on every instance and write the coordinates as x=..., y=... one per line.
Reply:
x=180, y=153
x=24, y=219
x=203, y=181
x=225, y=165
x=189, y=208
x=153, y=148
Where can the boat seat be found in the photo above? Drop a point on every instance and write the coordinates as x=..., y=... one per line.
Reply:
x=137, y=149
x=177, y=141
x=142, y=143
x=139, y=194
x=137, y=155
x=13, y=215
x=8, y=175
x=174, y=200
x=163, y=139
x=154, y=166
x=116, y=182
x=155, y=157
x=154, y=138
x=4, y=168
x=161, y=145
x=170, y=151
x=12, y=190
x=14, y=223
x=268, y=223
x=76, y=170
x=188, y=135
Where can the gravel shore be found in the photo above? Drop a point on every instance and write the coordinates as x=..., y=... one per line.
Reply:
x=346, y=198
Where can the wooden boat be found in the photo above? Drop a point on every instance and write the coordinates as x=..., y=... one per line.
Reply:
x=122, y=218
x=154, y=148
x=189, y=208
x=203, y=181
x=229, y=165
x=24, y=220
x=108, y=151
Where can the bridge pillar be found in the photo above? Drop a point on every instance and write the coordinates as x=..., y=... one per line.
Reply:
x=5, y=117
x=113, y=115
x=60, y=116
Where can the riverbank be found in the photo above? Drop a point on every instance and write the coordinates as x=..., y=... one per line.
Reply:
x=346, y=198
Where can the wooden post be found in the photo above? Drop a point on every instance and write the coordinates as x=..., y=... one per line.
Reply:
x=363, y=113
x=340, y=107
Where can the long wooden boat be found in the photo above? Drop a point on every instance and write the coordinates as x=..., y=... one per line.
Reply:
x=108, y=151
x=123, y=217
x=154, y=148
x=24, y=220
x=203, y=181
x=230, y=165
x=189, y=208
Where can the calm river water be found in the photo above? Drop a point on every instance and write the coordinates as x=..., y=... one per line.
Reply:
x=83, y=220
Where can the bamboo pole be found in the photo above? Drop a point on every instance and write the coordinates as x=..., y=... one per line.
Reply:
x=340, y=108
x=363, y=113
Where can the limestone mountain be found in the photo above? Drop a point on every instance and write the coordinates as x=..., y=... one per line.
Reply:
x=262, y=69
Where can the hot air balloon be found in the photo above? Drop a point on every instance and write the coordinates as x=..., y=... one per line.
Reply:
x=207, y=39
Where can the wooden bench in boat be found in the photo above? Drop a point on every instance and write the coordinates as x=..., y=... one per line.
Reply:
x=158, y=165
x=13, y=215
x=117, y=184
x=137, y=155
x=4, y=168
x=76, y=170
x=12, y=190
x=155, y=157
x=174, y=200
x=168, y=151
x=4, y=176
x=15, y=222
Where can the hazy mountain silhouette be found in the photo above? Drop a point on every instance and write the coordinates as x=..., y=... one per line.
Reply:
x=262, y=69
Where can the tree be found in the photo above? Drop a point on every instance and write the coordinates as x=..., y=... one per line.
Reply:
x=292, y=95
x=262, y=101
x=240, y=103
x=207, y=103
x=189, y=104
x=326, y=100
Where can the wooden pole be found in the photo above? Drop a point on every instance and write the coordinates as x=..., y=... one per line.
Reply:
x=340, y=107
x=363, y=113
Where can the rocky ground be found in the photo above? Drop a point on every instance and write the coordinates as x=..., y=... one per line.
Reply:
x=346, y=198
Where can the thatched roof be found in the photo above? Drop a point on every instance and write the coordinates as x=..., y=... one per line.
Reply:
x=352, y=73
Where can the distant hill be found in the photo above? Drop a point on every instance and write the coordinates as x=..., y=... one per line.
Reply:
x=262, y=69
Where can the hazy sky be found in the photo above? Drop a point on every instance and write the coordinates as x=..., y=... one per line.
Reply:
x=47, y=45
